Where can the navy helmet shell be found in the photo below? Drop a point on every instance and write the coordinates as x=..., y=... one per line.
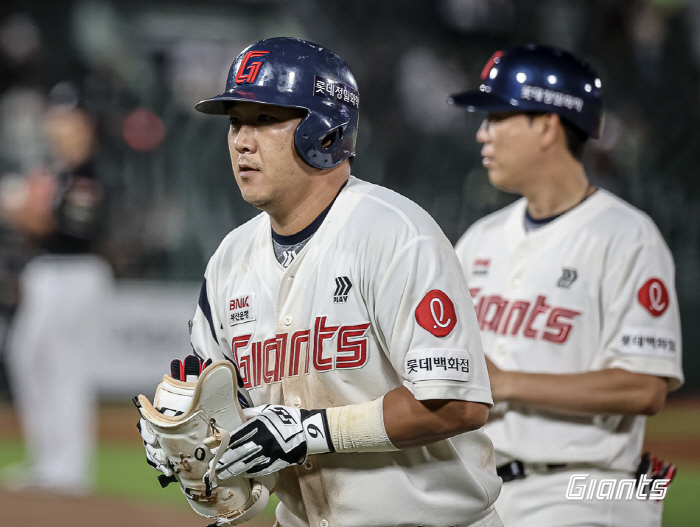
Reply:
x=541, y=79
x=294, y=73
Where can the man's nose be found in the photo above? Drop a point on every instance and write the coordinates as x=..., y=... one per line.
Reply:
x=243, y=139
x=482, y=134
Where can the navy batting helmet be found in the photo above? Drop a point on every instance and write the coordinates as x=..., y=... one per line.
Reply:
x=540, y=79
x=294, y=73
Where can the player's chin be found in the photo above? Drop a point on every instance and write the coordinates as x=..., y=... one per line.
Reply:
x=500, y=182
x=257, y=200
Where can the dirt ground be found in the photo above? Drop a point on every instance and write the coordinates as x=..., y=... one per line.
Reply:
x=117, y=424
x=22, y=510
x=668, y=436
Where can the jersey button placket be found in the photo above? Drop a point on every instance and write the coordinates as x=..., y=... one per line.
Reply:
x=323, y=523
x=288, y=320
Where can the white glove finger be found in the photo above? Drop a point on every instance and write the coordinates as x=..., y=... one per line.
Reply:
x=166, y=470
x=146, y=433
x=241, y=467
x=157, y=455
x=240, y=453
x=157, y=459
x=234, y=442
x=268, y=469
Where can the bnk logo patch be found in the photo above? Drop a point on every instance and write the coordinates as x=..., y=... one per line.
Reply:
x=241, y=309
x=248, y=72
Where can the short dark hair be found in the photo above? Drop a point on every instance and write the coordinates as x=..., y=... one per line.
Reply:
x=575, y=137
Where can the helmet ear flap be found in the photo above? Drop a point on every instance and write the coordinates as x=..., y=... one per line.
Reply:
x=332, y=137
x=326, y=150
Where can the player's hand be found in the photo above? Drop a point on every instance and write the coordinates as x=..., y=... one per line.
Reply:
x=651, y=468
x=189, y=369
x=275, y=437
x=155, y=456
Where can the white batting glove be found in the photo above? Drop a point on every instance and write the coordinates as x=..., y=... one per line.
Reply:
x=155, y=456
x=275, y=437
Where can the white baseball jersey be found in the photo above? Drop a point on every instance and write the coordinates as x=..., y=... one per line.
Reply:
x=593, y=289
x=374, y=301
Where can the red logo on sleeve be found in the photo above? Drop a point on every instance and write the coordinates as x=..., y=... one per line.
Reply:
x=436, y=313
x=654, y=297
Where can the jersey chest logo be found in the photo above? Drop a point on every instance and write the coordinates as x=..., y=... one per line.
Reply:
x=241, y=309
x=324, y=348
x=342, y=288
x=520, y=317
x=481, y=267
x=568, y=277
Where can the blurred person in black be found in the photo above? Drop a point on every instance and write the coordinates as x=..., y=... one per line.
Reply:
x=64, y=294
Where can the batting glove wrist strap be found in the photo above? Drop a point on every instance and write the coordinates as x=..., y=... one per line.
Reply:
x=359, y=427
x=318, y=437
x=273, y=438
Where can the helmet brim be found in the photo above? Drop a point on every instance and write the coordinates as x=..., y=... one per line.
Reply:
x=220, y=104
x=478, y=101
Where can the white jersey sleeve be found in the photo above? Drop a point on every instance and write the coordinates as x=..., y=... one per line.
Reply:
x=641, y=330
x=428, y=325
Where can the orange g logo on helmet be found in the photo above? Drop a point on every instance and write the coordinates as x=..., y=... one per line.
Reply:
x=247, y=73
x=436, y=313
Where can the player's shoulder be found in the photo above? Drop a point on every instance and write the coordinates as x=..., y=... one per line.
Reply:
x=378, y=205
x=497, y=219
x=494, y=224
x=238, y=240
x=620, y=218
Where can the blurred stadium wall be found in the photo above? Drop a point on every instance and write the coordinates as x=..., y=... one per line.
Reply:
x=142, y=65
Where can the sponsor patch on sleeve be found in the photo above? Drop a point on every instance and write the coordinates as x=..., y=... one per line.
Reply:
x=649, y=341
x=438, y=364
x=241, y=309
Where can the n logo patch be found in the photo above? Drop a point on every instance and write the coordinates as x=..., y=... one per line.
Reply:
x=342, y=288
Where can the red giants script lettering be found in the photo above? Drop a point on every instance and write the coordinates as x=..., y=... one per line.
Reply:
x=331, y=347
x=520, y=317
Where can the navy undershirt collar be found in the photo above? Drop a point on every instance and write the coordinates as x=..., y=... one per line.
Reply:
x=307, y=231
x=535, y=223
x=542, y=221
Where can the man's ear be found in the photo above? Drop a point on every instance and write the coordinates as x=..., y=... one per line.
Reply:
x=551, y=130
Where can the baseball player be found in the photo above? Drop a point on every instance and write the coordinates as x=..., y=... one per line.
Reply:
x=59, y=322
x=574, y=293
x=346, y=312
